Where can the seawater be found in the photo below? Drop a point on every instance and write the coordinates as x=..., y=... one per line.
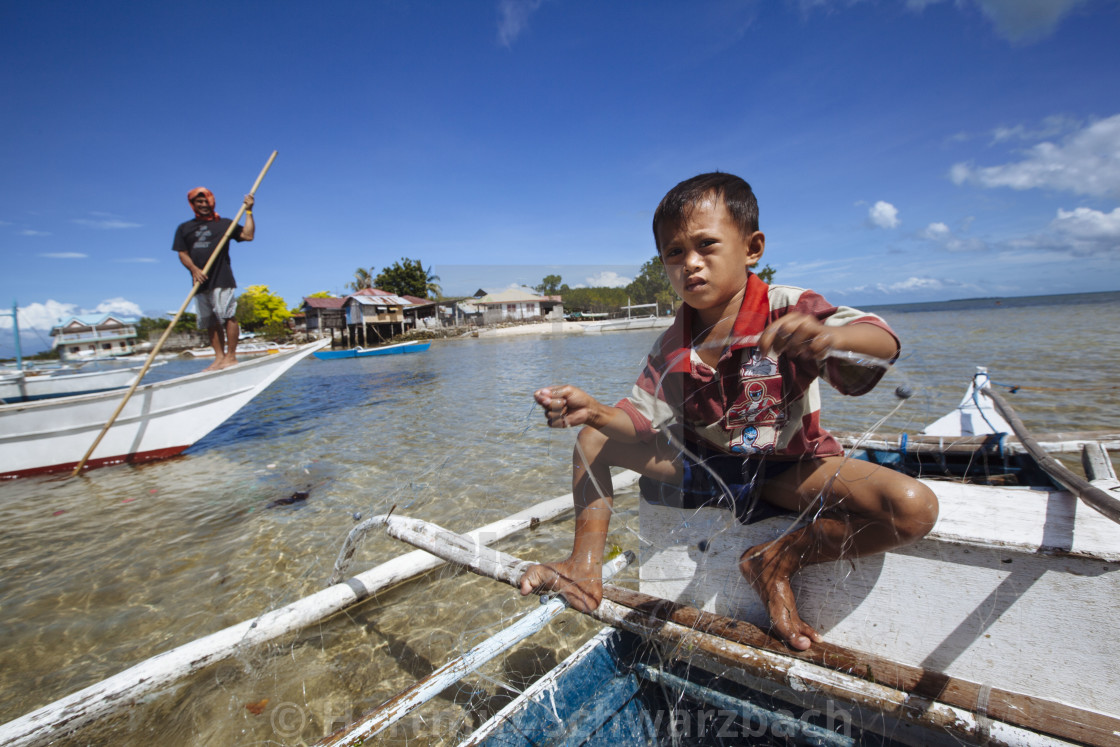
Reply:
x=101, y=572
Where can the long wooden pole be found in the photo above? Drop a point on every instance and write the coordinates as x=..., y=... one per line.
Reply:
x=1082, y=488
x=171, y=326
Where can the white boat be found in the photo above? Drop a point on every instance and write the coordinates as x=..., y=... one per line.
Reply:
x=249, y=348
x=160, y=420
x=651, y=321
x=27, y=386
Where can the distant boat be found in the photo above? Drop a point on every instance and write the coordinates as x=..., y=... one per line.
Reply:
x=251, y=348
x=360, y=352
x=651, y=321
x=27, y=386
x=631, y=323
x=160, y=420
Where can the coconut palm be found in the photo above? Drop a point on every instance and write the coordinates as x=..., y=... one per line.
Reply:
x=363, y=279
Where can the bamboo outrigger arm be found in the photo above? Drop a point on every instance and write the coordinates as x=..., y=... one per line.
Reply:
x=1082, y=488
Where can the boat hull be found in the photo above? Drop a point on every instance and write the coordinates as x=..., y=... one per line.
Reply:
x=23, y=388
x=360, y=352
x=159, y=420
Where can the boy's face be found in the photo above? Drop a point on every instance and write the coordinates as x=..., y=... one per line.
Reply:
x=707, y=258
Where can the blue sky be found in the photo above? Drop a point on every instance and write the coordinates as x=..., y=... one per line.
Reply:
x=902, y=150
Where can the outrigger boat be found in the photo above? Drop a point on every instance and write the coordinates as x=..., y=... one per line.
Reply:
x=360, y=352
x=159, y=421
x=27, y=385
x=997, y=628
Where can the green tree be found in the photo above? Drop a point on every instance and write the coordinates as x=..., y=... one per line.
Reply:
x=259, y=309
x=652, y=285
x=363, y=279
x=408, y=278
x=150, y=327
x=766, y=274
x=550, y=285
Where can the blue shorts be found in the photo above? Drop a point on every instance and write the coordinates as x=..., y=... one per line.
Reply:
x=742, y=479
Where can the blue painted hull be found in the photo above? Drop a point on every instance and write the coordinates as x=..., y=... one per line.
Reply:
x=359, y=352
x=615, y=690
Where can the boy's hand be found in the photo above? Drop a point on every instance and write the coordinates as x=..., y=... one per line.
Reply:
x=568, y=406
x=797, y=335
x=581, y=584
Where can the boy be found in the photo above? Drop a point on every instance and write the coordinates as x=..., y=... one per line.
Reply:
x=728, y=406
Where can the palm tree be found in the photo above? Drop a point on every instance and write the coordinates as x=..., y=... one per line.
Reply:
x=431, y=284
x=363, y=279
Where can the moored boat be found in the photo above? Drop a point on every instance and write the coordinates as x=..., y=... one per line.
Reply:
x=249, y=348
x=360, y=352
x=160, y=420
x=27, y=386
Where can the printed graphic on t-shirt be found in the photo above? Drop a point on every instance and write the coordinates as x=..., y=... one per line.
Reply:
x=757, y=412
x=202, y=237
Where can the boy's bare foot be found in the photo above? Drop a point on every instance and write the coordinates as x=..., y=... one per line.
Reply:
x=227, y=363
x=213, y=366
x=582, y=586
x=767, y=569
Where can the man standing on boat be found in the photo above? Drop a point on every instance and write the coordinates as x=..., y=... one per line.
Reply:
x=195, y=241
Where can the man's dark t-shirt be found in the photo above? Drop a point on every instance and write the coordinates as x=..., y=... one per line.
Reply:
x=200, y=237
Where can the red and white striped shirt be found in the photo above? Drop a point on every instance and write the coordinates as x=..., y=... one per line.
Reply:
x=749, y=404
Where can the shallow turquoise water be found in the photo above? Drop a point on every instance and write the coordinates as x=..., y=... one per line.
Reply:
x=101, y=572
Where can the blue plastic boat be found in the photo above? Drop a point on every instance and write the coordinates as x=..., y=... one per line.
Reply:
x=360, y=352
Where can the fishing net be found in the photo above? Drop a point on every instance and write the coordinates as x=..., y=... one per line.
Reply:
x=253, y=518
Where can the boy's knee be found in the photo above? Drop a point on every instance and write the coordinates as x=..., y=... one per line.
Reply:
x=915, y=512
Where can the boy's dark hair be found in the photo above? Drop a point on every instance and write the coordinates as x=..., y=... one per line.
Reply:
x=680, y=200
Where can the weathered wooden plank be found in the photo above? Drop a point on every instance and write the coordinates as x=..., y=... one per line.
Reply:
x=1097, y=463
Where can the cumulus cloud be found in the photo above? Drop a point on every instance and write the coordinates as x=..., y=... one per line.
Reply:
x=883, y=215
x=1085, y=231
x=43, y=316
x=608, y=279
x=1086, y=162
x=513, y=18
x=936, y=231
x=64, y=255
x=1016, y=20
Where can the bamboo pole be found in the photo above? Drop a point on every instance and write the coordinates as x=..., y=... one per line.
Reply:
x=179, y=313
x=1082, y=488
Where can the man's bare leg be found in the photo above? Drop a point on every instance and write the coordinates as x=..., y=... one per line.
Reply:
x=232, y=334
x=865, y=510
x=218, y=342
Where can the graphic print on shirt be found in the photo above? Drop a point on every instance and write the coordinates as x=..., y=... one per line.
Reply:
x=757, y=411
x=202, y=237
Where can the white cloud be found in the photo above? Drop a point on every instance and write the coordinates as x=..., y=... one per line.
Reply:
x=1051, y=126
x=116, y=305
x=43, y=316
x=936, y=231
x=912, y=284
x=1086, y=162
x=106, y=223
x=1088, y=224
x=33, y=232
x=1017, y=20
x=64, y=255
x=883, y=215
x=513, y=18
x=607, y=279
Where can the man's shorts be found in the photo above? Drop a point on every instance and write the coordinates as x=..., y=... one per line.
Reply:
x=740, y=492
x=215, y=306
